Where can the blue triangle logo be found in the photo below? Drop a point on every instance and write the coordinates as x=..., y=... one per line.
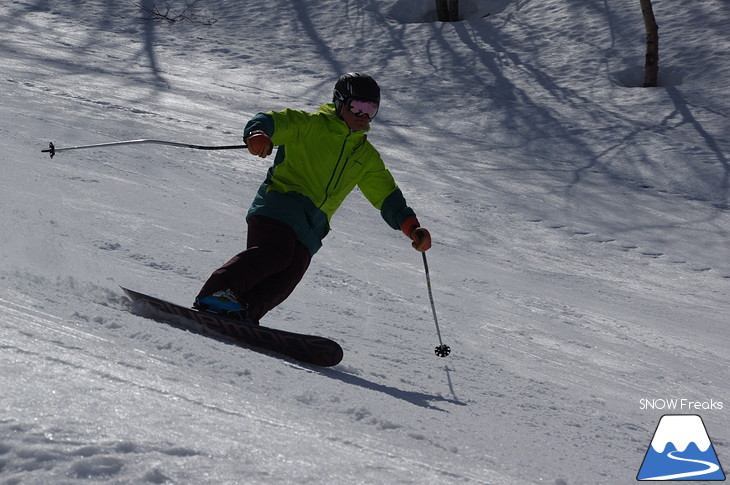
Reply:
x=681, y=450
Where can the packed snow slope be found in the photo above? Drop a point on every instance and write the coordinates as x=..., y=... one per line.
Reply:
x=580, y=268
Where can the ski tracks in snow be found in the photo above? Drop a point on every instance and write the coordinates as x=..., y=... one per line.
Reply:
x=121, y=371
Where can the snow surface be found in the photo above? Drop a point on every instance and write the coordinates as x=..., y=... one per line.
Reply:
x=580, y=264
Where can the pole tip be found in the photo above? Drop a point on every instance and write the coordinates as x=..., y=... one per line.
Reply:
x=51, y=149
x=442, y=350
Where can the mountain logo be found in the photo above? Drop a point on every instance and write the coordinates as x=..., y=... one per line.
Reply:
x=681, y=450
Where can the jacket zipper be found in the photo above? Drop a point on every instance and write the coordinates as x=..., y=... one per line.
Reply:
x=334, y=172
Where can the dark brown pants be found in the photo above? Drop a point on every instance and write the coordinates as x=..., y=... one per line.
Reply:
x=265, y=273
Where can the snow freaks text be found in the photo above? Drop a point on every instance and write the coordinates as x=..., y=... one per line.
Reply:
x=680, y=404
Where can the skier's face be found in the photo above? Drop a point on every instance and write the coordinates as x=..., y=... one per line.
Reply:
x=357, y=114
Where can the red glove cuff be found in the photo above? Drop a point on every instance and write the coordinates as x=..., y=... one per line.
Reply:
x=410, y=225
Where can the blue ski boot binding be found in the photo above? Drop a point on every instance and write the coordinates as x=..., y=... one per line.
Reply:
x=225, y=304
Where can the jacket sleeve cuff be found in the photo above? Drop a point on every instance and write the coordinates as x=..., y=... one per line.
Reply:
x=410, y=225
x=261, y=122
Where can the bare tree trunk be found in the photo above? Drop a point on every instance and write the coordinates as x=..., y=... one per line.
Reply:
x=447, y=10
x=442, y=10
x=651, y=65
x=454, y=10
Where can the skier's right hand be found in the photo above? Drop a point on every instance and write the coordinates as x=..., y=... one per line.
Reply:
x=259, y=144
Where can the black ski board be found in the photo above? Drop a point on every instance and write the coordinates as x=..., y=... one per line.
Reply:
x=311, y=349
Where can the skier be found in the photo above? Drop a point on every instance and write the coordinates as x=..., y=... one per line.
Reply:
x=320, y=158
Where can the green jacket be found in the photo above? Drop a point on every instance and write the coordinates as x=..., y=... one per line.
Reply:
x=318, y=163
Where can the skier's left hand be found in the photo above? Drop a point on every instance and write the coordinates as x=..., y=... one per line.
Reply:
x=419, y=235
x=421, y=239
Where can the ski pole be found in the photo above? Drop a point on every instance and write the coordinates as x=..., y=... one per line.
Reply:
x=52, y=149
x=441, y=349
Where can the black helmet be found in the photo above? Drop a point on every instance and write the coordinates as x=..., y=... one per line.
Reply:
x=354, y=85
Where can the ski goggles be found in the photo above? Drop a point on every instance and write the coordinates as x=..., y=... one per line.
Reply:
x=360, y=108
